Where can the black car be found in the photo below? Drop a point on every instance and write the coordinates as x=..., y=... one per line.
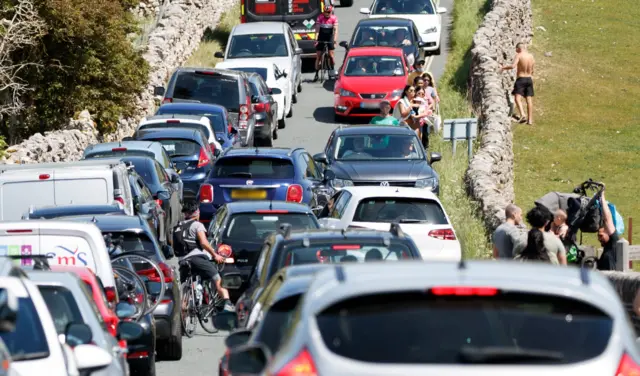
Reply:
x=388, y=32
x=287, y=248
x=378, y=155
x=243, y=226
x=73, y=210
x=163, y=191
x=224, y=87
x=189, y=151
x=266, y=108
x=273, y=312
x=148, y=208
x=138, y=237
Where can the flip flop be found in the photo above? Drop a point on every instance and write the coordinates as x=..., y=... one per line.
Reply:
x=522, y=121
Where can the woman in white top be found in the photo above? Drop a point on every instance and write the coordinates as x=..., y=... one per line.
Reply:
x=406, y=110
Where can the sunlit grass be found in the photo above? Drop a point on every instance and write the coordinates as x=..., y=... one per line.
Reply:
x=215, y=40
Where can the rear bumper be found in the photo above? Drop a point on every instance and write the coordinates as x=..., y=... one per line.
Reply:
x=142, y=349
x=352, y=106
x=167, y=315
x=192, y=185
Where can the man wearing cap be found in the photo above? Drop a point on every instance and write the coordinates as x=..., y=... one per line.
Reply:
x=385, y=117
x=419, y=69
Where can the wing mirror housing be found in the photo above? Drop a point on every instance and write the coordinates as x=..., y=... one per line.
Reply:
x=344, y=44
x=441, y=10
x=129, y=330
x=125, y=310
x=321, y=158
x=90, y=358
x=226, y=321
x=365, y=11
x=435, y=157
x=219, y=55
x=77, y=334
x=298, y=51
x=237, y=338
x=275, y=90
x=175, y=179
x=158, y=91
x=249, y=360
x=232, y=281
x=8, y=311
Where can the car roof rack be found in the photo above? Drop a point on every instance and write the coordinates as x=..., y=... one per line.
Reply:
x=395, y=230
x=285, y=230
x=41, y=262
x=290, y=153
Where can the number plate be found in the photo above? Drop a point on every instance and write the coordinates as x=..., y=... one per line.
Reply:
x=248, y=194
x=228, y=261
x=370, y=104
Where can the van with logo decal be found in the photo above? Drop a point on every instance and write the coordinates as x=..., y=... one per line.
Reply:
x=301, y=15
x=64, y=243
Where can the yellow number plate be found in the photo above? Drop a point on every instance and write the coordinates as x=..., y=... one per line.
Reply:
x=248, y=194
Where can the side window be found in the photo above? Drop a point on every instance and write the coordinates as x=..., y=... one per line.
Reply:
x=166, y=162
x=276, y=72
x=275, y=286
x=340, y=205
x=146, y=193
x=328, y=149
x=261, y=265
x=264, y=86
x=292, y=40
x=301, y=165
x=312, y=170
x=216, y=224
x=162, y=175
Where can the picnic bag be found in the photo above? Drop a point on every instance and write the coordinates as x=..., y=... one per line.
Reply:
x=618, y=221
x=182, y=245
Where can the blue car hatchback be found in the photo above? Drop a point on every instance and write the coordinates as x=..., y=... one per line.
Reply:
x=279, y=174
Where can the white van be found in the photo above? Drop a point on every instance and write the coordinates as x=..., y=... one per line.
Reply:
x=87, y=182
x=65, y=243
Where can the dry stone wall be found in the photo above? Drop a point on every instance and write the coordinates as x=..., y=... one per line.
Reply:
x=176, y=37
x=489, y=177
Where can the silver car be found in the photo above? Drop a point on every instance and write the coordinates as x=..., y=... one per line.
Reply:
x=479, y=318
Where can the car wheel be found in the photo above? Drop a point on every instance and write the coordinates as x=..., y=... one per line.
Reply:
x=281, y=124
x=299, y=88
x=148, y=369
x=171, y=349
x=294, y=98
x=275, y=132
x=346, y=3
x=290, y=114
x=437, y=52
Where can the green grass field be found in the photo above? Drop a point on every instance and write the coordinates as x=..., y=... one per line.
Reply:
x=214, y=40
x=587, y=111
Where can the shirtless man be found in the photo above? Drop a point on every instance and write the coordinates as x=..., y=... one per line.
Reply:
x=524, y=63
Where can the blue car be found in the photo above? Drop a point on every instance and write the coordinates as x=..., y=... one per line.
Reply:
x=226, y=134
x=279, y=174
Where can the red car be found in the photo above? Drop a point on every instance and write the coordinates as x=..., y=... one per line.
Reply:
x=367, y=76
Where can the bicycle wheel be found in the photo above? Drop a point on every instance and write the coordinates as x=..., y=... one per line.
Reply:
x=323, y=65
x=131, y=289
x=188, y=308
x=207, y=312
x=152, y=276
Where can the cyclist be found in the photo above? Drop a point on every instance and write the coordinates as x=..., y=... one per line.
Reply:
x=326, y=33
x=201, y=253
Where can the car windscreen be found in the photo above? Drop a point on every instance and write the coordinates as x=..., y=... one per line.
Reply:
x=134, y=241
x=276, y=322
x=378, y=147
x=400, y=209
x=257, y=45
x=62, y=306
x=254, y=227
x=403, y=7
x=389, y=36
x=343, y=251
x=177, y=147
x=425, y=328
x=216, y=118
x=261, y=71
x=208, y=88
x=120, y=153
x=374, y=66
x=27, y=341
x=253, y=168
x=182, y=124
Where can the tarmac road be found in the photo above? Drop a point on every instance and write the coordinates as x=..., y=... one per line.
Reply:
x=310, y=127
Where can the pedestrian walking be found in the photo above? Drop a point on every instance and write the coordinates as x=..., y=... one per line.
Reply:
x=509, y=234
x=524, y=64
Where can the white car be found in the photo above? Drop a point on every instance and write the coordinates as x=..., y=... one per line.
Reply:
x=418, y=211
x=273, y=77
x=182, y=121
x=424, y=13
x=271, y=42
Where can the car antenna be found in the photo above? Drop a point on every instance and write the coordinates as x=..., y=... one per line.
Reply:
x=94, y=219
x=271, y=204
x=462, y=264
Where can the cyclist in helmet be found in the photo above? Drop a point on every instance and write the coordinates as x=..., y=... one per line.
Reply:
x=326, y=33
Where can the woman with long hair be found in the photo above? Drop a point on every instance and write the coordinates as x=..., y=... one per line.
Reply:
x=406, y=110
x=541, y=245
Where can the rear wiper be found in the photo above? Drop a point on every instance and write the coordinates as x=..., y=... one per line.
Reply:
x=505, y=355
x=409, y=220
x=180, y=155
x=239, y=174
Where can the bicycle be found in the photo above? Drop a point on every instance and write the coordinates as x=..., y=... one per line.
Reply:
x=325, y=60
x=199, y=300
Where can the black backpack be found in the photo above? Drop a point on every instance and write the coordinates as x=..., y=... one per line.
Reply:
x=182, y=245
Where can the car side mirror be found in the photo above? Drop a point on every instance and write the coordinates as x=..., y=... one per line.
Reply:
x=237, y=338
x=226, y=321
x=217, y=153
x=219, y=55
x=344, y=44
x=321, y=158
x=232, y=280
x=441, y=10
x=125, y=310
x=435, y=157
x=275, y=90
x=175, y=179
x=329, y=175
x=298, y=51
x=365, y=11
x=8, y=311
x=129, y=330
x=167, y=251
x=248, y=360
x=77, y=334
x=90, y=358
x=158, y=91
x=162, y=195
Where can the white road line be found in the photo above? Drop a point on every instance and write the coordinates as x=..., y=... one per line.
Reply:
x=428, y=63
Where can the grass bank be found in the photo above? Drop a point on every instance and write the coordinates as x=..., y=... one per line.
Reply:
x=587, y=110
x=452, y=87
x=215, y=40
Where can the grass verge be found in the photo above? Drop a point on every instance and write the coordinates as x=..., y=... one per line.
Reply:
x=586, y=105
x=452, y=87
x=215, y=40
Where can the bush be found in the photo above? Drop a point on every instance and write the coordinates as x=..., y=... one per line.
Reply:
x=87, y=62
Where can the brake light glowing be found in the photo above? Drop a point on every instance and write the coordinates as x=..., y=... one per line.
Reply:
x=225, y=251
x=259, y=107
x=206, y=193
x=207, y=73
x=153, y=276
x=203, y=158
x=443, y=234
x=463, y=291
x=173, y=121
x=110, y=293
x=138, y=355
x=230, y=128
x=345, y=247
x=21, y=231
x=167, y=100
x=301, y=365
x=627, y=367
x=119, y=149
x=272, y=211
x=294, y=193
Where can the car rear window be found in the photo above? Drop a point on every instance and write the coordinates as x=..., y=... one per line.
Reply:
x=343, y=251
x=252, y=227
x=179, y=147
x=257, y=45
x=62, y=305
x=251, y=167
x=182, y=124
x=121, y=153
x=261, y=71
x=276, y=322
x=506, y=328
x=27, y=341
x=403, y=210
x=134, y=242
x=216, y=119
x=208, y=88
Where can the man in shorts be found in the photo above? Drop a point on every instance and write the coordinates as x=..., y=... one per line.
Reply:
x=200, y=257
x=326, y=33
x=524, y=64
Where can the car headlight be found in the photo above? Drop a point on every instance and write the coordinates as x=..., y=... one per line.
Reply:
x=396, y=94
x=431, y=30
x=341, y=183
x=427, y=183
x=347, y=93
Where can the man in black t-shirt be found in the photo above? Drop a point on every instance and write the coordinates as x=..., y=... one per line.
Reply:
x=608, y=238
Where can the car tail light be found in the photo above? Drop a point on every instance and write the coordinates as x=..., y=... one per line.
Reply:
x=301, y=365
x=627, y=367
x=112, y=325
x=159, y=202
x=463, y=291
x=119, y=149
x=225, y=250
x=138, y=355
x=294, y=193
x=44, y=176
x=110, y=293
x=21, y=231
x=120, y=200
x=206, y=193
x=345, y=247
x=230, y=128
x=153, y=276
x=261, y=107
x=167, y=100
x=123, y=344
x=203, y=159
x=443, y=234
